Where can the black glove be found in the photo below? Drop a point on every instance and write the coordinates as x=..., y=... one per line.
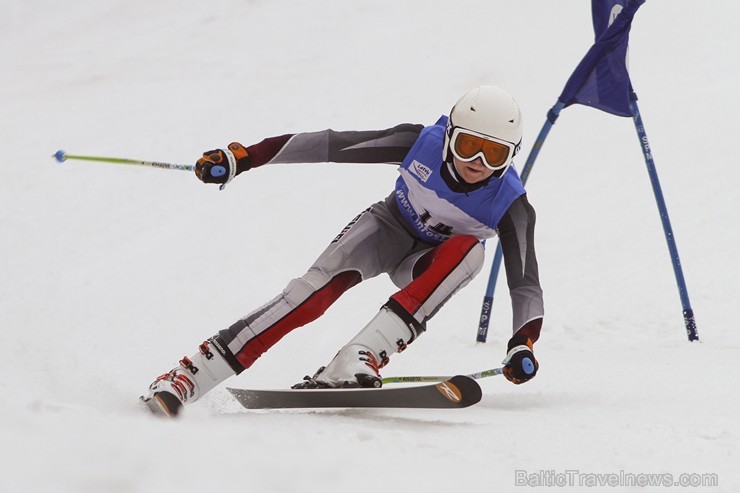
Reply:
x=520, y=364
x=216, y=167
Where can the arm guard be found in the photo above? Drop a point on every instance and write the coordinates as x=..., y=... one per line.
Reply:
x=516, y=230
x=372, y=146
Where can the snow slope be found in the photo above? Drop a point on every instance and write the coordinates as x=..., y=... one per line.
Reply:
x=112, y=273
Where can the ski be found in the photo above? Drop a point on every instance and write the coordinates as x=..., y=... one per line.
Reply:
x=457, y=392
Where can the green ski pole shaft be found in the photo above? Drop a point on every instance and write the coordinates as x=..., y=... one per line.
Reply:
x=62, y=156
x=437, y=378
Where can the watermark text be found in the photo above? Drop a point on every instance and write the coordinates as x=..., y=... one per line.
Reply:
x=575, y=477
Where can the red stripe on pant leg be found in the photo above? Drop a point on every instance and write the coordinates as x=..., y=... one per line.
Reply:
x=441, y=262
x=306, y=312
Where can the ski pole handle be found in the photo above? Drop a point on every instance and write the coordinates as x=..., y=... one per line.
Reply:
x=62, y=156
x=436, y=378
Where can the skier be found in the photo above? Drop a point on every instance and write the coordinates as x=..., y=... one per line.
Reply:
x=456, y=189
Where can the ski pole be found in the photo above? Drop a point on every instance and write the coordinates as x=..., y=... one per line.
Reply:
x=62, y=156
x=430, y=378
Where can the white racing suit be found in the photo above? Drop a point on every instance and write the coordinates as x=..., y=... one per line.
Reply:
x=427, y=236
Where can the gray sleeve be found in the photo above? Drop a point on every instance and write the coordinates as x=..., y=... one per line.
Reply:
x=516, y=230
x=372, y=146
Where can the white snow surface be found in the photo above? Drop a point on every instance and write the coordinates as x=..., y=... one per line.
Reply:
x=111, y=273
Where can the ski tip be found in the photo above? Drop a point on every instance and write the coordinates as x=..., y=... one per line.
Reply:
x=461, y=390
x=60, y=156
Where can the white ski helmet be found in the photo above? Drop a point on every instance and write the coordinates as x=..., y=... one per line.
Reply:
x=491, y=113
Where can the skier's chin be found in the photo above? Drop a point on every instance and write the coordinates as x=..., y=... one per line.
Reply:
x=472, y=172
x=473, y=175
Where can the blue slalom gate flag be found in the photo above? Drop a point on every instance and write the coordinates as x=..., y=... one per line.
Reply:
x=601, y=79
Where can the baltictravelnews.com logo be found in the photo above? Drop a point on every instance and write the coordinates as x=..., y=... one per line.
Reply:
x=574, y=477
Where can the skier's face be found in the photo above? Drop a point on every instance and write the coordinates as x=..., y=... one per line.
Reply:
x=472, y=172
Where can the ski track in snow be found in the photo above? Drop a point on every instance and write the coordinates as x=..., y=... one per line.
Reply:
x=111, y=273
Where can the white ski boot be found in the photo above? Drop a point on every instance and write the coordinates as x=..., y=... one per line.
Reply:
x=359, y=362
x=189, y=381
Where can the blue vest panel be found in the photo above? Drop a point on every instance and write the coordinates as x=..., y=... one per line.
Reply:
x=433, y=210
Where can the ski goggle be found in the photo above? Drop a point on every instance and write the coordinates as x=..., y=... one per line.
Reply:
x=467, y=146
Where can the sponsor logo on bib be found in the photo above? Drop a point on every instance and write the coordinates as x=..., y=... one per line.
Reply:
x=420, y=170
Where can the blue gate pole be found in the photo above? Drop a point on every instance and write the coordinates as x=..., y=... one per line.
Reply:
x=485, y=313
x=688, y=313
